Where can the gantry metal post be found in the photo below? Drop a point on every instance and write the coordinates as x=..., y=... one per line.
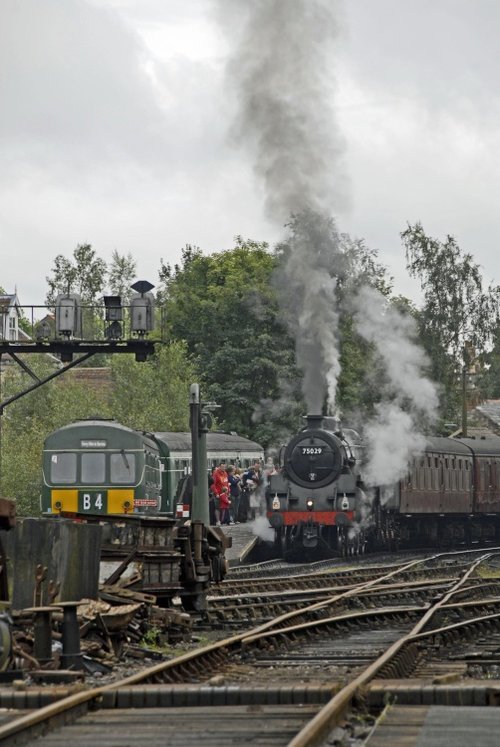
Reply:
x=199, y=423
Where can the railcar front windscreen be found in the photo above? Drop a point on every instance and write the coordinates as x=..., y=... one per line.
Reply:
x=63, y=468
x=122, y=468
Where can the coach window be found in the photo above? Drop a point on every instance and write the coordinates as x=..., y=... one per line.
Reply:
x=63, y=468
x=482, y=477
x=93, y=468
x=464, y=475
x=447, y=477
x=122, y=467
x=414, y=475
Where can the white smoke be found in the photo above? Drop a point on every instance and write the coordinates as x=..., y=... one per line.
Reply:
x=366, y=517
x=261, y=527
x=394, y=433
x=392, y=334
x=392, y=442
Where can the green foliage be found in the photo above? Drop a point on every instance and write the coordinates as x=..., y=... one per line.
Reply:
x=121, y=275
x=225, y=308
x=348, y=260
x=488, y=382
x=350, y=264
x=361, y=267
x=458, y=317
x=85, y=275
x=27, y=421
x=358, y=387
x=455, y=303
x=153, y=395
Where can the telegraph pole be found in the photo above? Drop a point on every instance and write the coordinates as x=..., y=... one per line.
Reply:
x=464, y=401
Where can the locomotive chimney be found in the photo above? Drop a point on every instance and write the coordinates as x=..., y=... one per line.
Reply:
x=314, y=421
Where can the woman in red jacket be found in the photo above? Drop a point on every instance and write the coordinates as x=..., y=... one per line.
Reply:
x=220, y=489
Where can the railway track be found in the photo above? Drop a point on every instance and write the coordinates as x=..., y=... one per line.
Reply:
x=290, y=678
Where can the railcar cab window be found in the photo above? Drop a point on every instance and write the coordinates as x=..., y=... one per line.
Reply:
x=93, y=468
x=122, y=467
x=63, y=468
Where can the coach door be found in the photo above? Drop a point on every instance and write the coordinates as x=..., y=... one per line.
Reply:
x=487, y=491
x=455, y=484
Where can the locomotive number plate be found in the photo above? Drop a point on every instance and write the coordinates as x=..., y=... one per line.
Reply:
x=92, y=501
x=310, y=450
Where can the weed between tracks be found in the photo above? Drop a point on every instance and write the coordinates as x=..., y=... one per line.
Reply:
x=488, y=571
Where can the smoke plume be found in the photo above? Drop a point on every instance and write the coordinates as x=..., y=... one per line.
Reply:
x=411, y=401
x=308, y=283
x=280, y=68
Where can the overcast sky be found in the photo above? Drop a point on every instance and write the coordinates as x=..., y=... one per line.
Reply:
x=115, y=121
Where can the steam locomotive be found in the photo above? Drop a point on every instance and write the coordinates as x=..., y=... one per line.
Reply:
x=318, y=501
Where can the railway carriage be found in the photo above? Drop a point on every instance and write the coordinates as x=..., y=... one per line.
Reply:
x=175, y=451
x=451, y=494
x=102, y=467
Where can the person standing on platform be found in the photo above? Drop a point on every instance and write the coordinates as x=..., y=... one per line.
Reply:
x=252, y=481
x=220, y=489
x=235, y=490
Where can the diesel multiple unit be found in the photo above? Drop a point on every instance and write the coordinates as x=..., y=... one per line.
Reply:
x=103, y=467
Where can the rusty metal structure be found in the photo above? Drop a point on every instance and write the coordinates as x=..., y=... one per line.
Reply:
x=7, y=522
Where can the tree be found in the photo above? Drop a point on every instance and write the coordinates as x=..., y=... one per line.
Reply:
x=226, y=309
x=85, y=275
x=153, y=395
x=315, y=259
x=488, y=381
x=458, y=317
x=26, y=423
x=121, y=275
